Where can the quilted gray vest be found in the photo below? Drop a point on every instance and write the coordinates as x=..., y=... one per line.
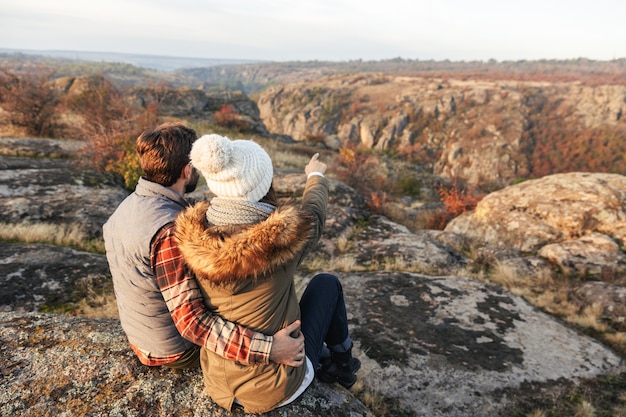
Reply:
x=127, y=236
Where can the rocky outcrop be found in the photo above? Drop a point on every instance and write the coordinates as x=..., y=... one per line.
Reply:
x=383, y=242
x=446, y=346
x=574, y=223
x=54, y=365
x=435, y=344
x=38, y=148
x=474, y=130
x=40, y=277
x=201, y=105
x=54, y=191
x=575, y=220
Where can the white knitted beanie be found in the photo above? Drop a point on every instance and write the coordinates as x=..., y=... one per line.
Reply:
x=237, y=169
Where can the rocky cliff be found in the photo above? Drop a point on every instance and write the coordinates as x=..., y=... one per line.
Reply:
x=436, y=343
x=483, y=131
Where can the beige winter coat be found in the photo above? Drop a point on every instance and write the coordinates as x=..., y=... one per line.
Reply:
x=246, y=275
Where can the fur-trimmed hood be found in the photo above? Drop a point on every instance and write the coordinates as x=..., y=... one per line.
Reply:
x=224, y=255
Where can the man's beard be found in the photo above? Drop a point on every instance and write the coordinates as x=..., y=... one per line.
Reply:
x=193, y=181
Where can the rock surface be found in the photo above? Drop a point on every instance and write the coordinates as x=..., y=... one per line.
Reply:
x=55, y=191
x=55, y=365
x=574, y=223
x=38, y=276
x=433, y=345
x=445, y=346
x=576, y=220
x=383, y=242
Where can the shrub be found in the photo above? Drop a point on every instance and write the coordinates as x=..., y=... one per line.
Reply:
x=110, y=125
x=31, y=100
x=229, y=118
x=378, y=201
x=456, y=201
x=106, y=117
x=353, y=166
x=127, y=165
x=361, y=169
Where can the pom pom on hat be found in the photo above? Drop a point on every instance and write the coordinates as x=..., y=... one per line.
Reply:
x=211, y=153
x=238, y=169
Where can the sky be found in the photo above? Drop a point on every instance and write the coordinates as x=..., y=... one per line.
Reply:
x=335, y=30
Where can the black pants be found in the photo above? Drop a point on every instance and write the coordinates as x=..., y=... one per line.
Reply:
x=324, y=318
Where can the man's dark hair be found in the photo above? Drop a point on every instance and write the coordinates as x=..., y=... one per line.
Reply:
x=164, y=152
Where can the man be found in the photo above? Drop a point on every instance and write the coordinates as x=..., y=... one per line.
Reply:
x=160, y=304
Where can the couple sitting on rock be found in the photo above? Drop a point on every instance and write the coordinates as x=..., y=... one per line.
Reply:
x=212, y=284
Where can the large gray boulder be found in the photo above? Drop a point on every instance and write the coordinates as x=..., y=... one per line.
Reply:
x=448, y=346
x=37, y=277
x=381, y=242
x=572, y=223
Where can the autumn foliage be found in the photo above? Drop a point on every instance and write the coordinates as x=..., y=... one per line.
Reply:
x=31, y=101
x=95, y=112
x=559, y=145
x=229, y=118
x=362, y=169
x=456, y=201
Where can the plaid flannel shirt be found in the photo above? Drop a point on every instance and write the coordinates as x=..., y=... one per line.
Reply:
x=193, y=319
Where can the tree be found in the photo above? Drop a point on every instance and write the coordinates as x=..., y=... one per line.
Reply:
x=30, y=100
x=110, y=125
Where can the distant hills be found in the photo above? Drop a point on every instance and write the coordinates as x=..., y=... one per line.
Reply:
x=264, y=71
x=154, y=62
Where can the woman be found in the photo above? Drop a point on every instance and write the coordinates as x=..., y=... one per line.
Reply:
x=245, y=251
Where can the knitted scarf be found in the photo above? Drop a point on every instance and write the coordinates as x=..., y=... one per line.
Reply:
x=225, y=211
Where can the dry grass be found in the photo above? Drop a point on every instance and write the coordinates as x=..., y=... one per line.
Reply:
x=547, y=293
x=7, y=130
x=506, y=276
x=377, y=403
x=585, y=409
x=552, y=294
x=343, y=243
x=371, y=398
x=56, y=234
x=285, y=159
x=396, y=264
x=412, y=221
x=342, y=263
x=98, y=306
x=616, y=339
x=347, y=262
x=620, y=410
x=590, y=317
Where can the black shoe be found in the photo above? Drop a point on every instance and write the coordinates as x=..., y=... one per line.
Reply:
x=342, y=373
